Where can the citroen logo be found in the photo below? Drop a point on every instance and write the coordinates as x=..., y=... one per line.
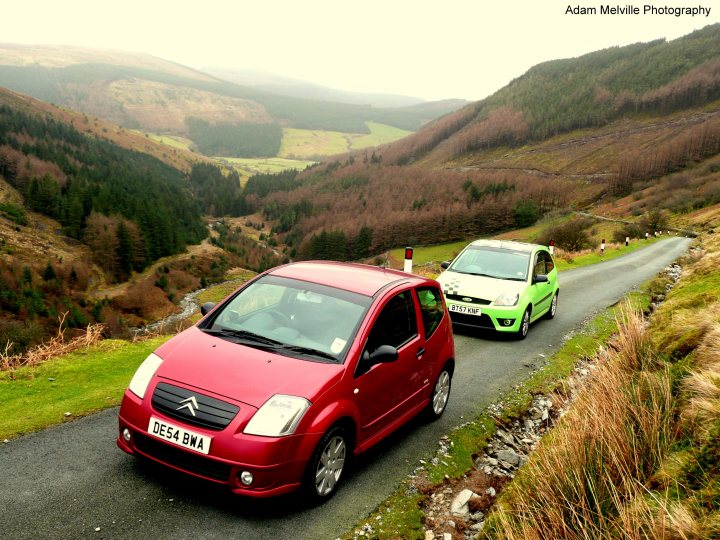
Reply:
x=190, y=404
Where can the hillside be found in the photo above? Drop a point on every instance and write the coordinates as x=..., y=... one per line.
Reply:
x=79, y=211
x=152, y=95
x=470, y=173
x=591, y=91
x=177, y=157
x=286, y=86
x=641, y=121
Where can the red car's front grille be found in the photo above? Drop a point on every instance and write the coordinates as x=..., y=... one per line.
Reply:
x=192, y=407
x=182, y=459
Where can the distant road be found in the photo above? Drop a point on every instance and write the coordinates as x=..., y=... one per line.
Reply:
x=71, y=481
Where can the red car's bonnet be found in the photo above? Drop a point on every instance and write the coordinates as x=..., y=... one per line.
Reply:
x=241, y=373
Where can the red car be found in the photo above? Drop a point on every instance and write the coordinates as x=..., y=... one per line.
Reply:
x=288, y=378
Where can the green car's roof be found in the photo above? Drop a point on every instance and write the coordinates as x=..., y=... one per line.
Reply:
x=507, y=244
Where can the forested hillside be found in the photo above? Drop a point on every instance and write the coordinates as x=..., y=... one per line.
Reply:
x=79, y=213
x=70, y=177
x=566, y=134
x=146, y=93
x=655, y=78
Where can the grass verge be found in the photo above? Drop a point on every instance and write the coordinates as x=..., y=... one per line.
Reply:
x=82, y=382
x=567, y=261
x=638, y=454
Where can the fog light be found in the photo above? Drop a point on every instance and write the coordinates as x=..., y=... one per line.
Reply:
x=246, y=478
x=126, y=435
x=506, y=322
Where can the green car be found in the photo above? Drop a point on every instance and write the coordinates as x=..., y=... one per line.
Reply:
x=501, y=285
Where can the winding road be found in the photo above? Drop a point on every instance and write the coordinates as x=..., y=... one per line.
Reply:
x=71, y=481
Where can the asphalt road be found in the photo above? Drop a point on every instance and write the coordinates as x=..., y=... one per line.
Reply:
x=71, y=481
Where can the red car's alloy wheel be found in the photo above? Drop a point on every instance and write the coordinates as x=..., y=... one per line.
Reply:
x=328, y=462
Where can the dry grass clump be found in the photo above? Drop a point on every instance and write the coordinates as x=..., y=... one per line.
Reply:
x=57, y=346
x=683, y=330
x=692, y=310
x=618, y=465
x=578, y=484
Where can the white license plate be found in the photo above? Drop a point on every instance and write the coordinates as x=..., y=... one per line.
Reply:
x=465, y=309
x=179, y=436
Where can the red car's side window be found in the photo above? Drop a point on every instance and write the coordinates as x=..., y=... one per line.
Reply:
x=431, y=309
x=396, y=324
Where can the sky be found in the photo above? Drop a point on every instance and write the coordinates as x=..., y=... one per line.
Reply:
x=431, y=49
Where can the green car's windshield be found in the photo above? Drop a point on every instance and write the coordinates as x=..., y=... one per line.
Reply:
x=291, y=317
x=493, y=262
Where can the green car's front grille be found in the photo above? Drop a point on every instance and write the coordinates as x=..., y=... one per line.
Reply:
x=468, y=299
x=478, y=321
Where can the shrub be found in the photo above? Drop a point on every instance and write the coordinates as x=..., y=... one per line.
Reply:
x=632, y=230
x=18, y=336
x=526, y=213
x=654, y=221
x=571, y=236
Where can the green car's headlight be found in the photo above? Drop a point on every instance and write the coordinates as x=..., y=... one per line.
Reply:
x=141, y=379
x=279, y=416
x=507, y=299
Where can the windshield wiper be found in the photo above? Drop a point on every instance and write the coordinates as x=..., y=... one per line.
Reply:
x=479, y=274
x=309, y=351
x=272, y=344
x=245, y=335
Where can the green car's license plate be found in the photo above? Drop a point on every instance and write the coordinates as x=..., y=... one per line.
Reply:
x=464, y=309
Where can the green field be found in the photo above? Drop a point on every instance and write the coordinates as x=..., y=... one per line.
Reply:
x=170, y=140
x=379, y=134
x=306, y=143
x=299, y=147
x=431, y=254
x=247, y=167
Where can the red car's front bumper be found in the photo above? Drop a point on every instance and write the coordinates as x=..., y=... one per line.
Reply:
x=277, y=464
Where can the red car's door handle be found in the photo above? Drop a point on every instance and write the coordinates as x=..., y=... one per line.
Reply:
x=420, y=352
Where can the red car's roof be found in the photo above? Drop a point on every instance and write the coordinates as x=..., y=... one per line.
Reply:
x=358, y=278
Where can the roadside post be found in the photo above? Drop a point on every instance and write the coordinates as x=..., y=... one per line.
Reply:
x=646, y=236
x=407, y=267
x=551, y=247
x=627, y=241
x=602, y=247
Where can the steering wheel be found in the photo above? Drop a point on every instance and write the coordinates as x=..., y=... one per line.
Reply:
x=280, y=318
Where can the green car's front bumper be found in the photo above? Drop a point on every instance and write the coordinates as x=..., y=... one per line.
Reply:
x=498, y=318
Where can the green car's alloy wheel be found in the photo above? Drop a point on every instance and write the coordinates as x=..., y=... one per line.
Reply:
x=524, y=325
x=553, y=307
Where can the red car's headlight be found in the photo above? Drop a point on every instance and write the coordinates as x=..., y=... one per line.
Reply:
x=141, y=379
x=279, y=416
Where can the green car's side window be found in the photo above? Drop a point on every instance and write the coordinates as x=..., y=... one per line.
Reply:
x=544, y=264
x=549, y=263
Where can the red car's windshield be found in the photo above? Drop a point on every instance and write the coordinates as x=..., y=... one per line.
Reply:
x=292, y=316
